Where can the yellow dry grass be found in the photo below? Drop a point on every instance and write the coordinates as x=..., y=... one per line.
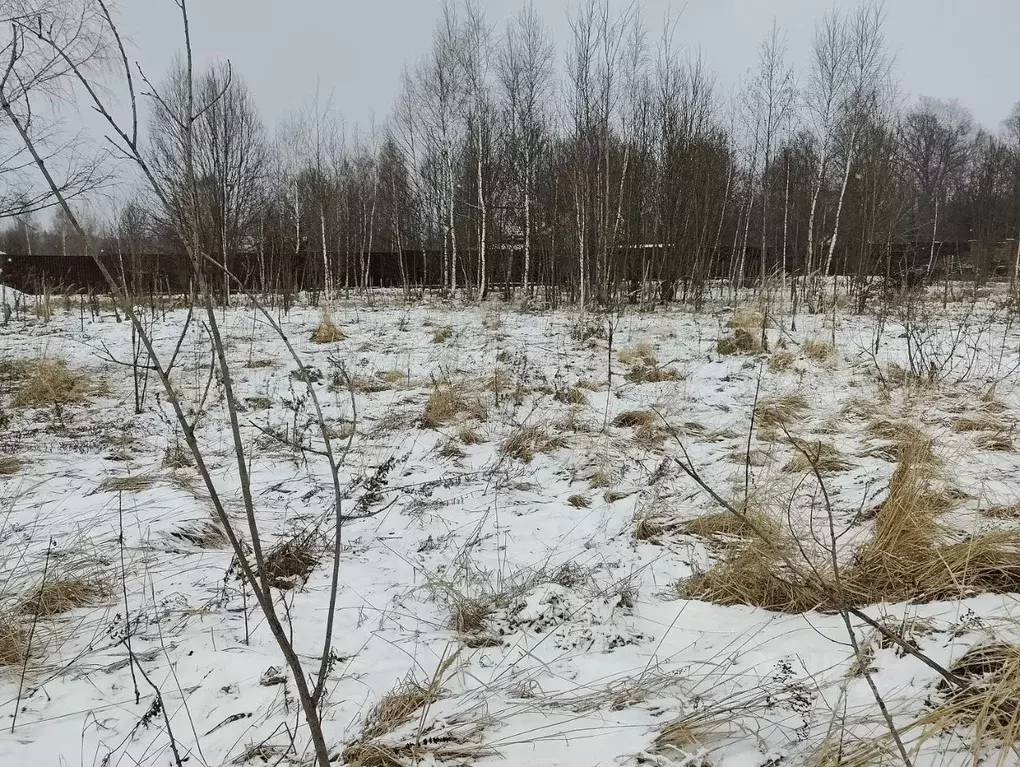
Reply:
x=977, y=423
x=130, y=484
x=10, y=464
x=638, y=354
x=781, y=362
x=449, y=402
x=649, y=436
x=469, y=435
x=60, y=595
x=528, y=441
x=909, y=558
x=13, y=642
x=725, y=524
x=1000, y=442
x=289, y=563
x=327, y=333
x=635, y=418
x=399, y=705
x=740, y=342
x=779, y=411
x=1012, y=511
x=49, y=383
x=819, y=350
x=653, y=374
x=579, y=501
x=745, y=318
x=755, y=575
x=570, y=396
x=442, y=335
x=988, y=704
x=815, y=455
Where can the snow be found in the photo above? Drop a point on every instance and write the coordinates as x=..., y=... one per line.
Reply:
x=587, y=653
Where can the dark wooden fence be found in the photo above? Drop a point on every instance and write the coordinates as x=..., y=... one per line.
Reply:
x=171, y=273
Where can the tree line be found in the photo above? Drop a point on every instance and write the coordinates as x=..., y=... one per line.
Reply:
x=617, y=169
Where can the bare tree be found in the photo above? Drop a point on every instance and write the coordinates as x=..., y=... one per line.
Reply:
x=771, y=99
x=525, y=76
x=182, y=195
x=229, y=156
x=34, y=83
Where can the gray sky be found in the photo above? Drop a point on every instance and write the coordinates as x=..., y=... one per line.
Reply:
x=354, y=50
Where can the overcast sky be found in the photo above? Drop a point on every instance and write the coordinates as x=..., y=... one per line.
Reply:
x=354, y=50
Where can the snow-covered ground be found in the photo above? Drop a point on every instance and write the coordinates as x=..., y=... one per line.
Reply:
x=574, y=649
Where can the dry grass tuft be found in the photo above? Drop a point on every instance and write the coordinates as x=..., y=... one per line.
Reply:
x=649, y=436
x=644, y=367
x=10, y=464
x=726, y=524
x=13, y=642
x=990, y=403
x=49, y=383
x=470, y=616
x=754, y=575
x=448, y=402
x=977, y=423
x=205, y=535
x=745, y=318
x=906, y=561
x=990, y=701
x=134, y=483
x=641, y=354
x=819, y=350
x=601, y=479
x=653, y=374
x=529, y=441
x=363, y=385
x=1003, y=512
x=677, y=737
x=781, y=361
x=741, y=342
x=327, y=333
x=780, y=411
x=820, y=456
x=361, y=754
x=633, y=418
x=858, y=407
x=999, y=441
x=60, y=595
x=470, y=436
x=571, y=396
x=399, y=705
x=289, y=563
x=451, y=449
x=579, y=501
x=442, y=335
x=177, y=456
x=650, y=527
x=131, y=484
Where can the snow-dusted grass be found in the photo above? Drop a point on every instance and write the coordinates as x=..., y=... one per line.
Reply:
x=527, y=575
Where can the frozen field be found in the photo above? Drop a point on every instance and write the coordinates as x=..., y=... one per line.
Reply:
x=520, y=538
